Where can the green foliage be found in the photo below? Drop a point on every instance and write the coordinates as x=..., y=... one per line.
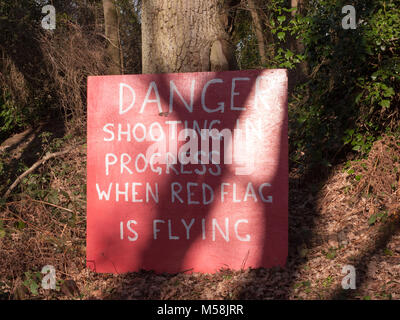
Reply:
x=305, y=285
x=388, y=252
x=377, y=217
x=281, y=29
x=32, y=281
x=327, y=282
x=12, y=118
x=331, y=254
x=286, y=30
x=352, y=95
x=359, y=142
x=2, y=230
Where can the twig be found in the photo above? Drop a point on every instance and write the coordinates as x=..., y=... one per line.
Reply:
x=31, y=169
x=43, y=202
x=19, y=218
x=53, y=205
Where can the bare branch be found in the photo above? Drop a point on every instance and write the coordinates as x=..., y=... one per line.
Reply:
x=32, y=168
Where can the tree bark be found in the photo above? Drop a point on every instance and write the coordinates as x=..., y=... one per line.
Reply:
x=299, y=74
x=112, y=36
x=185, y=36
x=295, y=4
x=258, y=26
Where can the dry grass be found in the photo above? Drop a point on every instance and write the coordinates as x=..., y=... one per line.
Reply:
x=13, y=81
x=379, y=175
x=45, y=222
x=70, y=60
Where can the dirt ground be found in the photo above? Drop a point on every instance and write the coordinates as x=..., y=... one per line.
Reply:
x=349, y=217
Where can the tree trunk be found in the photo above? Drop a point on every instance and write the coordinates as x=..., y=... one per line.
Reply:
x=185, y=36
x=112, y=36
x=295, y=4
x=259, y=30
x=299, y=74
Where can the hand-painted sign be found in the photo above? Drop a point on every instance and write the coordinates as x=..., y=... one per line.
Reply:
x=187, y=171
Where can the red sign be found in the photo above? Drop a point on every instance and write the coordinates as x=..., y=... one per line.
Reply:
x=187, y=171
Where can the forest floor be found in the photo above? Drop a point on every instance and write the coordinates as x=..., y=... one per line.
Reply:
x=348, y=217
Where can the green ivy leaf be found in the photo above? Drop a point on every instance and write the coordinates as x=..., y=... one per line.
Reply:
x=385, y=103
x=281, y=19
x=21, y=225
x=359, y=96
x=34, y=288
x=372, y=219
x=289, y=54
